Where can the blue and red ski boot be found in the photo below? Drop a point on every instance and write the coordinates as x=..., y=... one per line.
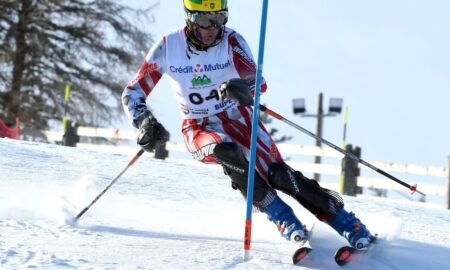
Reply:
x=284, y=218
x=350, y=227
x=356, y=233
x=289, y=226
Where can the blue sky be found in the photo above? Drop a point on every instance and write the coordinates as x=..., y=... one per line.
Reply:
x=388, y=60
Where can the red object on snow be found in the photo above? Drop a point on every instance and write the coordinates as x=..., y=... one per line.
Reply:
x=9, y=132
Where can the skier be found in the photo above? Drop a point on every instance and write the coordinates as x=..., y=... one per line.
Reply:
x=212, y=72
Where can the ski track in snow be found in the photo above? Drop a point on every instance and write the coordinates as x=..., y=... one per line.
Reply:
x=171, y=215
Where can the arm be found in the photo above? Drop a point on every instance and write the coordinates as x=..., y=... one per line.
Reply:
x=243, y=61
x=134, y=95
x=137, y=90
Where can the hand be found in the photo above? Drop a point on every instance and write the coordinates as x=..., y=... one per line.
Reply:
x=237, y=90
x=150, y=133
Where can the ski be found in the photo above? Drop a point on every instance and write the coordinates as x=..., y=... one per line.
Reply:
x=301, y=253
x=346, y=254
x=304, y=249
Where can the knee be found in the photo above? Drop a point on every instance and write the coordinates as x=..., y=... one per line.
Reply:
x=230, y=156
x=226, y=150
x=234, y=164
x=284, y=178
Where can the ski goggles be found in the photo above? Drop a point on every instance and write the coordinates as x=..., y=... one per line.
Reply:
x=208, y=19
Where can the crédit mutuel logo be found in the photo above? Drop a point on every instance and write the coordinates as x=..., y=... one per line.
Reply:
x=199, y=71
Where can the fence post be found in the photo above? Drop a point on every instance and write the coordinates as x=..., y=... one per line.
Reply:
x=351, y=171
x=70, y=136
x=448, y=184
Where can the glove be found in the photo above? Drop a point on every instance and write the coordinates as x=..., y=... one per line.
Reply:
x=150, y=132
x=237, y=90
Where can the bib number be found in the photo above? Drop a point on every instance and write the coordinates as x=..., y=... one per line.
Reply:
x=197, y=99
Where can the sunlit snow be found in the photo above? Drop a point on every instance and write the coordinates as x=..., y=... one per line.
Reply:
x=175, y=215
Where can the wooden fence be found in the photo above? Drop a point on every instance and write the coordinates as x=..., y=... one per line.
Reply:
x=441, y=173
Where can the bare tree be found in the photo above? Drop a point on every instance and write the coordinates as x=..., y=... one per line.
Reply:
x=45, y=44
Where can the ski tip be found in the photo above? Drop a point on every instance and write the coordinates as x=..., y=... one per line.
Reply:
x=300, y=254
x=344, y=255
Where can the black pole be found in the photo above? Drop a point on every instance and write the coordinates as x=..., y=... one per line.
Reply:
x=319, y=115
x=132, y=161
x=413, y=188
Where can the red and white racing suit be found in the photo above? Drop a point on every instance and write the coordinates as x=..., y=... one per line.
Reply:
x=195, y=77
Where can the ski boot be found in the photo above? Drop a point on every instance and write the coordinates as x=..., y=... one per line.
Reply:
x=350, y=227
x=287, y=223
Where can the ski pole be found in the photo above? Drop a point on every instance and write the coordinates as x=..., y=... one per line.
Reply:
x=413, y=188
x=131, y=162
x=254, y=134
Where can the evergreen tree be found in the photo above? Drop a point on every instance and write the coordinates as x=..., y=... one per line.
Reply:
x=46, y=44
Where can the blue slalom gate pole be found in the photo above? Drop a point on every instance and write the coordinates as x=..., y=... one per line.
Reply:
x=251, y=167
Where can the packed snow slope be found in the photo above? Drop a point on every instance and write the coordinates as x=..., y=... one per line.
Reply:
x=175, y=215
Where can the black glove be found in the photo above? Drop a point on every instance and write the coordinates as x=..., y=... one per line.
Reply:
x=237, y=90
x=150, y=132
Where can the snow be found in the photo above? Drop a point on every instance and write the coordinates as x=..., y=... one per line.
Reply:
x=172, y=215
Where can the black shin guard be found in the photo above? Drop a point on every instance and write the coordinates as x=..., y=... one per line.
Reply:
x=236, y=167
x=323, y=203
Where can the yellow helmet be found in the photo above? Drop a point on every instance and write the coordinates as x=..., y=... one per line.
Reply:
x=205, y=5
x=204, y=14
